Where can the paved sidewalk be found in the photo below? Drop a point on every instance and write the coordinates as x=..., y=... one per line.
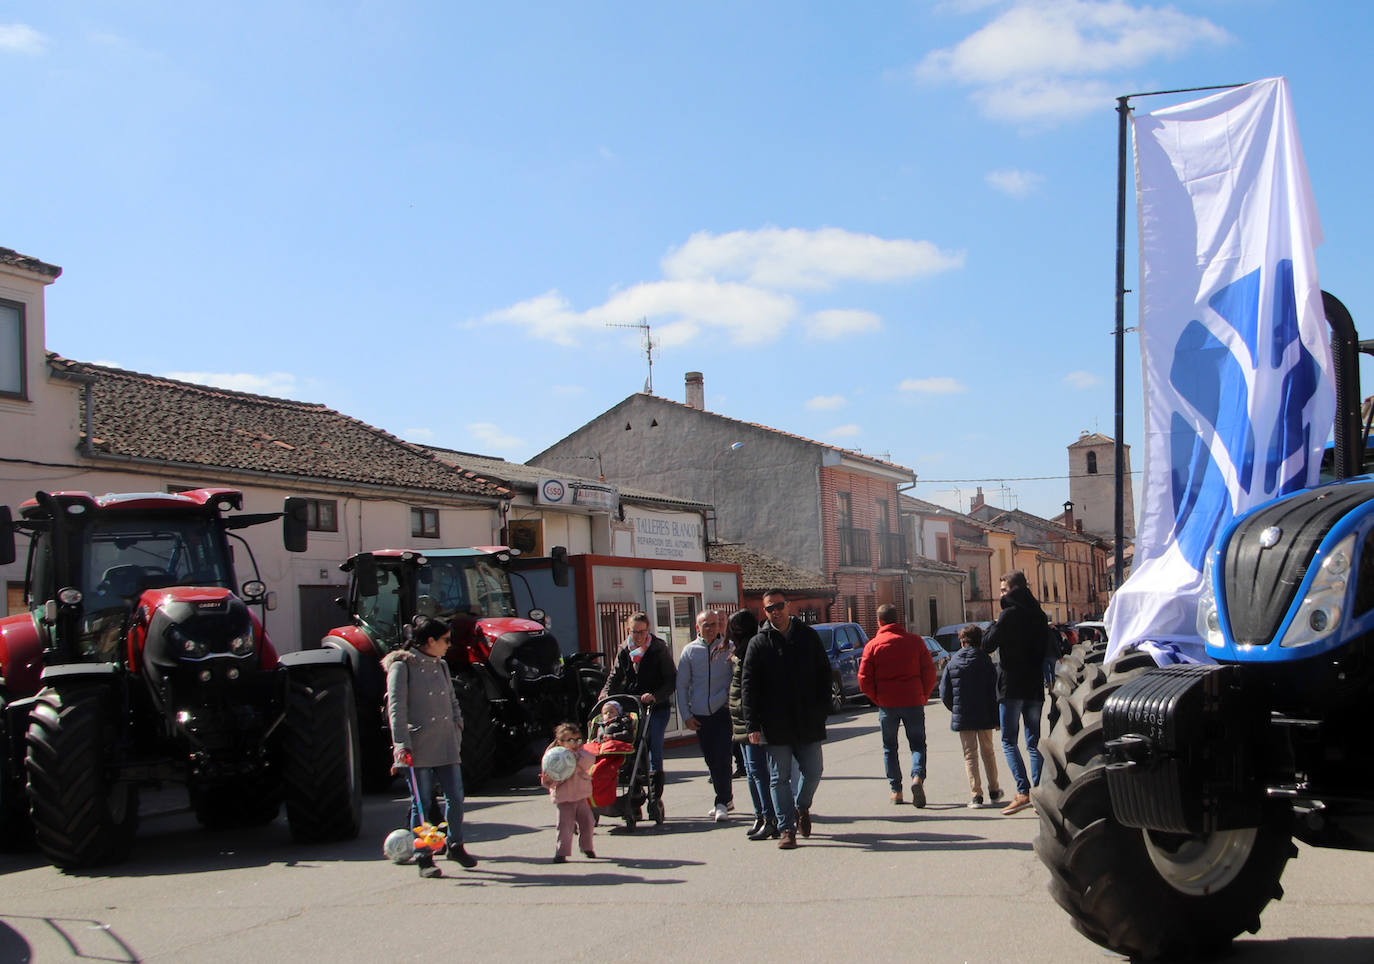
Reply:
x=875, y=880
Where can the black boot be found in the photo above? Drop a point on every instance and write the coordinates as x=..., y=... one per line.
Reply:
x=759, y=821
x=425, y=861
x=769, y=831
x=457, y=852
x=656, y=811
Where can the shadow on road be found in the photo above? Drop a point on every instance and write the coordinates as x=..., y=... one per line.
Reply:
x=578, y=871
x=916, y=840
x=86, y=939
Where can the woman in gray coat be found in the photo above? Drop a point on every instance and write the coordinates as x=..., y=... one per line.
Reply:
x=427, y=729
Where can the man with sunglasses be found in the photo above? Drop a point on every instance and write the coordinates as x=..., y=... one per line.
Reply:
x=785, y=696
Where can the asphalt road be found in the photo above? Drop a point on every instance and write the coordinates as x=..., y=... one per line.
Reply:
x=874, y=881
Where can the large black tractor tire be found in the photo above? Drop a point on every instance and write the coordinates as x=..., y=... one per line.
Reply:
x=1070, y=670
x=321, y=772
x=251, y=802
x=479, y=734
x=16, y=832
x=1144, y=894
x=81, y=816
x=374, y=743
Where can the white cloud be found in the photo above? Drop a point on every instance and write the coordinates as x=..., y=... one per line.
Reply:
x=276, y=384
x=793, y=258
x=1017, y=61
x=418, y=434
x=492, y=435
x=931, y=386
x=20, y=38
x=678, y=310
x=1082, y=379
x=1014, y=183
x=842, y=322
x=826, y=402
x=844, y=431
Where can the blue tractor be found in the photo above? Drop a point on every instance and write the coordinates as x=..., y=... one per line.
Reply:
x=1171, y=795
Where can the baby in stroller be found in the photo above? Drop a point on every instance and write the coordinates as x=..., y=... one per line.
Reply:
x=614, y=725
x=620, y=776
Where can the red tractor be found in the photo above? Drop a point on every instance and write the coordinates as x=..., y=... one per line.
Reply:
x=142, y=661
x=512, y=680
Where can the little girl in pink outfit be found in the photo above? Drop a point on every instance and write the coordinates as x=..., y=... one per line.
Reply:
x=573, y=795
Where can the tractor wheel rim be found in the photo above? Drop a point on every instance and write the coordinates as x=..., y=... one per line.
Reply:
x=1204, y=864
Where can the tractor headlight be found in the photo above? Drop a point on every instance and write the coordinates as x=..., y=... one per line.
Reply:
x=241, y=645
x=185, y=646
x=1208, y=619
x=1320, y=612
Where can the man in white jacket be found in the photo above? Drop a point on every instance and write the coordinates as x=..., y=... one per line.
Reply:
x=703, y=702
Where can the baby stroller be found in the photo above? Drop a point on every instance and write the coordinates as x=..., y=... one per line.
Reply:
x=620, y=777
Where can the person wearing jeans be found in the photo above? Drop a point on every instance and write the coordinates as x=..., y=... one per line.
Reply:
x=703, y=703
x=784, y=699
x=1013, y=713
x=643, y=668
x=1020, y=634
x=897, y=675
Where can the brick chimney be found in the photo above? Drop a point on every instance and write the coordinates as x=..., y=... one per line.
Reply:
x=977, y=501
x=1068, y=515
x=696, y=391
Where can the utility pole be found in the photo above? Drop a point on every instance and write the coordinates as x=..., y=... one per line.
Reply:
x=643, y=325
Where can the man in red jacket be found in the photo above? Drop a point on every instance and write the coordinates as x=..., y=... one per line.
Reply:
x=897, y=674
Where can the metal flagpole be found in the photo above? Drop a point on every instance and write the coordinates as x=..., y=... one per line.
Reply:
x=1123, y=108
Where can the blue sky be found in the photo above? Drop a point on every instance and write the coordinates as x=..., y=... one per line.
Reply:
x=889, y=226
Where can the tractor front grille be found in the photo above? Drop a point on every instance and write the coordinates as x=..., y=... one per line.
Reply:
x=1260, y=583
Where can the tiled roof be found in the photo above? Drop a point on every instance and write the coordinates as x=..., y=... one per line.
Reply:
x=850, y=453
x=11, y=257
x=760, y=572
x=518, y=475
x=923, y=562
x=1093, y=438
x=1064, y=532
x=148, y=417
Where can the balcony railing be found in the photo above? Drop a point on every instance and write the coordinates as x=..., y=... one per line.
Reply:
x=854, y=547
x=892, y=550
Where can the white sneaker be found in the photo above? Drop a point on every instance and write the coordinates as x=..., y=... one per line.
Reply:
x=719, y=813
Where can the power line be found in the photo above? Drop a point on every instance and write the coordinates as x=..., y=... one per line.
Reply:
x=1027, y=478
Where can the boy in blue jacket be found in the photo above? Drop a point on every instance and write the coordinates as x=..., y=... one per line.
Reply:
x=969, y=690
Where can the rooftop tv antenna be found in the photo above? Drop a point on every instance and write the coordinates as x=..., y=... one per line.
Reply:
x=643, y=325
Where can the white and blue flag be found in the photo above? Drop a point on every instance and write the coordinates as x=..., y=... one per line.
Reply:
x=1239, y=391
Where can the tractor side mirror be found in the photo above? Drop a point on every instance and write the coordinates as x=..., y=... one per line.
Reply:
x=295, y=522
x=559, y=557
x=6, y=536
x=365, y=572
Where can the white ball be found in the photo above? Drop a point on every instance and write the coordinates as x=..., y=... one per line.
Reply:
x=399, y=846
x=559, y=762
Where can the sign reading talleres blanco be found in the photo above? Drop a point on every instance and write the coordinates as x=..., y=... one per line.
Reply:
x=666, y=535
x=570, y=493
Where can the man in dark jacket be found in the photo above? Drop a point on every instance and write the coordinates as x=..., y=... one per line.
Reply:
x=784, y=698
x=1020, y=636
x=644, y=668
x=897, y=674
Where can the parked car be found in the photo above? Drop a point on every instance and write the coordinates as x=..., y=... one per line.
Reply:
x=940, y=657
x=948, y=636
x=1091, y=631
x=844, y=643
